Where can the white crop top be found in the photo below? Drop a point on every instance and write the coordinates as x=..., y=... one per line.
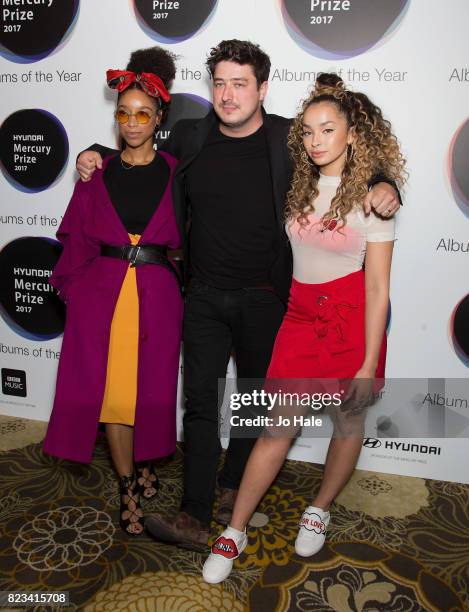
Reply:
x=322, y=256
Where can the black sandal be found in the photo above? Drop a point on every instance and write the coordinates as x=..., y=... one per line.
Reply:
x=131, y=514
x=147, y=480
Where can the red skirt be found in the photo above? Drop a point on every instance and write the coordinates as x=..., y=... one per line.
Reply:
x=323, y=332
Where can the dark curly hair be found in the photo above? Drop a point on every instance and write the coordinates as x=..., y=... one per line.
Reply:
x=159, y=62
x=242, y=52
x=375, y=150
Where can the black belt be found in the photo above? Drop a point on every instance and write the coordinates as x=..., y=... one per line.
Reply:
x=142, y=254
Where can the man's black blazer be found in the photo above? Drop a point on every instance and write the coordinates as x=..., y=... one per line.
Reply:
x=187, y=138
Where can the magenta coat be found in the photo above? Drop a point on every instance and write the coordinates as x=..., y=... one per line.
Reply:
x=90, y=285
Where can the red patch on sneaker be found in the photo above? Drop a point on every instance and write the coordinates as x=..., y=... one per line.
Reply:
x=225, y=547
x=312, y=522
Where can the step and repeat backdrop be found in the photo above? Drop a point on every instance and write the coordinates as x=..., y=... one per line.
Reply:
x=410, y=56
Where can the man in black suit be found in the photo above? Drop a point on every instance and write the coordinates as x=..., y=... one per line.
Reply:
x=229, y=193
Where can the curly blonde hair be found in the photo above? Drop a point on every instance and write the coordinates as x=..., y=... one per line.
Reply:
x=375, y=150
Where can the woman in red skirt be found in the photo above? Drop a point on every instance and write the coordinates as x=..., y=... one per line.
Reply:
x=334, y=328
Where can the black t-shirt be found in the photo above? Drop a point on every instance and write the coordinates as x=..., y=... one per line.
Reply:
x=233, y=216
x=136, y=192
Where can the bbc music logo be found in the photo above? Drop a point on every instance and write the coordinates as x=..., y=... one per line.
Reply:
x=14, y=382
x=33, y=149
x=28, y=303
x=340, y=29
x=33, y=30
x=171, y=21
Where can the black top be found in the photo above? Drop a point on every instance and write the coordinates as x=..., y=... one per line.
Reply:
x=136, y=192
x=233, y=218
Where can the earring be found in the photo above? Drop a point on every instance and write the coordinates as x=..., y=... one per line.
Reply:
x=350, y=153
x=155, y=138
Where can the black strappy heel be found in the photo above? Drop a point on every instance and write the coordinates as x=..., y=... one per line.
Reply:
x=131, y=514
x=147, y=480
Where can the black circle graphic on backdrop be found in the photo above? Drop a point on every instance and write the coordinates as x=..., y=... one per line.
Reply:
x=28, y=303
x=30, y=32
x=183, y=106
x=459, y=156
x=339, y=29
x=173, y=22
x=33, y=149
x=460, y=331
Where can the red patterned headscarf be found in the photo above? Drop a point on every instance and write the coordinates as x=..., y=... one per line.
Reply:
x=150, y=83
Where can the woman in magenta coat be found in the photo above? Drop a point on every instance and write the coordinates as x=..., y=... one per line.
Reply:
x=120, y=353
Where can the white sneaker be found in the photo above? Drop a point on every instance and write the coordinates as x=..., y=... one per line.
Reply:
x=226, y=548
x=312, y=533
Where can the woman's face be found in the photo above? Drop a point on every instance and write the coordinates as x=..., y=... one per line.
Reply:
x=139, y=107
x=326, y=135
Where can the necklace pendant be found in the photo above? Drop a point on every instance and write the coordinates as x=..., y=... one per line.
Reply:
x=125, y=164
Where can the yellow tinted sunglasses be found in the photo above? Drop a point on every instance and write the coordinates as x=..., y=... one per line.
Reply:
x=142, y=117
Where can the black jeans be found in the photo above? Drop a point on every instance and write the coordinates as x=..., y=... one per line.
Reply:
x=216, y=322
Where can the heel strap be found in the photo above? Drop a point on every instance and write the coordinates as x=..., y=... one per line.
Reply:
x=128, y=482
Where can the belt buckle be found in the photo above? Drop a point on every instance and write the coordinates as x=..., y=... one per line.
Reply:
x=134, y=255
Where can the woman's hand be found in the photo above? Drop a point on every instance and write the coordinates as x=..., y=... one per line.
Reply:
x=360, y=392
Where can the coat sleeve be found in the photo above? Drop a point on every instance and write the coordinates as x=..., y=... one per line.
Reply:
x=78, y=248
x=101, y=149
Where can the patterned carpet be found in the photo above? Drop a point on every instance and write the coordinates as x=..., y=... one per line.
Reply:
x=395, y=543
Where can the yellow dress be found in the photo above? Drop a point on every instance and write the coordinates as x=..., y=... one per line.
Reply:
x=120, y=393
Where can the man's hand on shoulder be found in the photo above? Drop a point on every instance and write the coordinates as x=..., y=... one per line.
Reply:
x=87, y=163
x=383, y=199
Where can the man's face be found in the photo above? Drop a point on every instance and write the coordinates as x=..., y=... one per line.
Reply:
x=237, y=99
